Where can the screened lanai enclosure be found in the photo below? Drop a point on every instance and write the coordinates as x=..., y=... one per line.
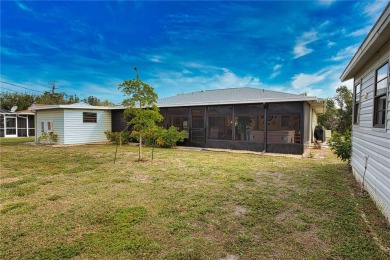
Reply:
x=256, y=127
x=16, y=124
x=240, y=118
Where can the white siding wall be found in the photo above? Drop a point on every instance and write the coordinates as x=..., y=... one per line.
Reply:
x=77, y=132
x=372, y=142
x=56, y=116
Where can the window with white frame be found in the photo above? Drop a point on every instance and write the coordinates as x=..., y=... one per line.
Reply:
x=380, y=95
x=356, y=111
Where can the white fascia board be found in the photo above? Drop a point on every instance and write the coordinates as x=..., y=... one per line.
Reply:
x=73, y=107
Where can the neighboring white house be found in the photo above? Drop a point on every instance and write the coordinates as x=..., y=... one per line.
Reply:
x=16, y=123
x=371, y=116
x=74, y=124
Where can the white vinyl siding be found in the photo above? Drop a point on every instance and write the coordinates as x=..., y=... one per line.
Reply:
x=55, y=117
x=371, y=142
x=76, y=131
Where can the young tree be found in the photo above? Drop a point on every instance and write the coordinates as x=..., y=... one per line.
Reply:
x=141, y=107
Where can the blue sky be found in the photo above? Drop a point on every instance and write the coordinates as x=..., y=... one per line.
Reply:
x=90, y=47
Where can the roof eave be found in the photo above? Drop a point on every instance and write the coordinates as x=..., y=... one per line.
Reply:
x=261, y=101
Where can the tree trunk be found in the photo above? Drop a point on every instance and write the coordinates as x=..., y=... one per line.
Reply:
x=140, y=148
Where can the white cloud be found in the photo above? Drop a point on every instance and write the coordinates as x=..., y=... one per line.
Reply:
x=330, y=44
x=172, y=83
x=302, y=80
x=300, y=48
x=326, y=2
x=276, y=70
x=346, y=53
x=230, y=80
x=24, y=7
x=321, y=84
x=373, y=9
x=277, y=67
x=360, y=32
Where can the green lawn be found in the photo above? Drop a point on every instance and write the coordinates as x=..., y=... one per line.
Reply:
x=73, y=202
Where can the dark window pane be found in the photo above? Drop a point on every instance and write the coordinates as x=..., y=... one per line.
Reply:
x=356, y=114
x=22, y=122
x=220, y=122
x=180, y=122
x=177, y=111
x=381, y=87
x=11, y=131
x=197, y=118
x=89, y=117
x=10, y=122
x=283, y=128
x=220, y=127
x=382, y=72
x=285, y=121
x=357, y=93
x=22, y=132
x=380, y=111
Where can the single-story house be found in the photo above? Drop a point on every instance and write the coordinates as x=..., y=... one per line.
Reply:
x=16, y=123
x=369, y=68
x=235, y=118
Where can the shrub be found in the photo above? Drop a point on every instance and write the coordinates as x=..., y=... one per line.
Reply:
x=48, y=138
x=118, y=137
x=169, y=137
x=341, y=145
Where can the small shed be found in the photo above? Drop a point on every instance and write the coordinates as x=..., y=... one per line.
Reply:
x=74, y=124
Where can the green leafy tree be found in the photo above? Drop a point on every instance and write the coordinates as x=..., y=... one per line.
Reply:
x=341, y=145
x=338, y=115
x=344, y=102
x=141, y=107
x=107, y=103
x=93, y=101
x=338, y=118
x=329, y=119
x=21, y=100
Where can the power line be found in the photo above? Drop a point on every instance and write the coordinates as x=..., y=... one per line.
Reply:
x=7, y=89
x=20, y=86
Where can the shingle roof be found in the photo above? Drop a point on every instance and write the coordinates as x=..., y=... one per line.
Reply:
x=230, y=96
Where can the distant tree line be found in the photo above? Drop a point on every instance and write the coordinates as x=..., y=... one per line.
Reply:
x=24, y=100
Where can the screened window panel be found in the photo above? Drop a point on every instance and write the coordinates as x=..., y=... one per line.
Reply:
x=220, y=127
